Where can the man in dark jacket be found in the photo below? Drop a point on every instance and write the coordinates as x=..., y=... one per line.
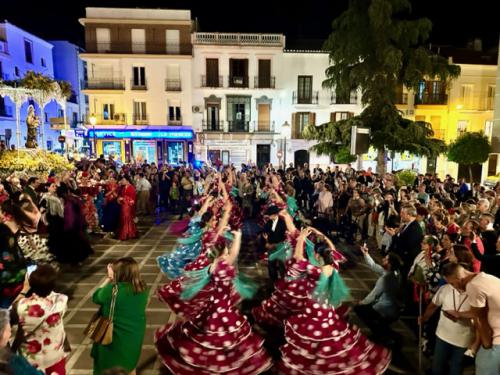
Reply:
x=274, y=233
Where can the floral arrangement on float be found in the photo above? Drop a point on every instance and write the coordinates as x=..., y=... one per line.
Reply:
x=35, y=161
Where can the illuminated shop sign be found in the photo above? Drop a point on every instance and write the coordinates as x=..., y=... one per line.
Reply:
x=141, y=134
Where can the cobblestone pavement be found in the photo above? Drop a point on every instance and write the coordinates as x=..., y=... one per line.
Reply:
x=80, y=283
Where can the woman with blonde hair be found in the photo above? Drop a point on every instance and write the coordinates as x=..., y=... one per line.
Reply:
x=129, y=318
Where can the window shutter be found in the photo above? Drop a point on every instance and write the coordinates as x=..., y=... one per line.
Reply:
x=332, y=116
x=294, y=125
x=312, y=118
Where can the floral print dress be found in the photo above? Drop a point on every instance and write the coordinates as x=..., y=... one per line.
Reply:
x=45, y=347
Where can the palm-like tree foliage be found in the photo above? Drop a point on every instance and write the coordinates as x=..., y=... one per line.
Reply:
x=375, y=47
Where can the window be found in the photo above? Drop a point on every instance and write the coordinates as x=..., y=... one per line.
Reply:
x=304, y=90
x=60, y=113
x=139, y=76
x=238, y=112
x=174, y=114
x=28, y=51
x=138, y=40
x=103, y=38
x=43, y=63
x=238, y=72
x=46, y=117
x=172, y=39
x=462, y=127
x=264, y=80
x=212, y=71
x=338, y=116
x=16, y=71
x=74, y=123
x=1, y=71
x=49, y=145
x=466, y=95
x=173, y=77
x=108, y=111
x=302, y=121
x=490, y=105
x=140, y=113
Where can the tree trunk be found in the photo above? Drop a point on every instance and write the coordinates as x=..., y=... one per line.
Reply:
x=381, y=164
x=470, y=175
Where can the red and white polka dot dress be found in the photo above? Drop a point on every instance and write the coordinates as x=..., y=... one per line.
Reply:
x=288, y=298
x=319, y=342
x=219, y=340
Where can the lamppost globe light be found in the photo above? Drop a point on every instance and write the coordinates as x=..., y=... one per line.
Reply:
x=93, y=120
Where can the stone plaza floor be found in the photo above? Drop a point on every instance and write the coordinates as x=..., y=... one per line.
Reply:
x=80, y=283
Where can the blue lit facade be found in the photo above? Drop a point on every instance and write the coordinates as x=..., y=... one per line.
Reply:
x=21, y=52
x=159, y=144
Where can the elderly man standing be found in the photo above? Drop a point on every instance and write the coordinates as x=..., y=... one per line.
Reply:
x=484, y=299
x=143, y=187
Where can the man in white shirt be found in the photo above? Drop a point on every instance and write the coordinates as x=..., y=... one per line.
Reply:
x=143, y=187
x=483, y=291
x=453, y=337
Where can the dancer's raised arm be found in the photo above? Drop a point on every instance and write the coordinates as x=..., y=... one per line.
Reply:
x=235, y=247
x=299, y=248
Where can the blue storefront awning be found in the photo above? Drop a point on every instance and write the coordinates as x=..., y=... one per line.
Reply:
x=179, y=132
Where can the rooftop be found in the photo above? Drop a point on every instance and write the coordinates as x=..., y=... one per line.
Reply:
x=121, y=14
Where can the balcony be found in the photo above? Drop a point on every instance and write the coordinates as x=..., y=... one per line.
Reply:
x=137, y=85
x=175, y=121
x=264, y=126
x=108, y=119
x=237, y=39
x=264, y=82
x=238, y=81
x=173, y=85
x=139, y=48
x=352, y=99
x=212, y=81
x=4, y=47
x=238, y=126
x=58, y=123
x=141, y=119
x=6, y=111
x=212, y=126
x=431, y=98
x=312, y=98
x=104, y=84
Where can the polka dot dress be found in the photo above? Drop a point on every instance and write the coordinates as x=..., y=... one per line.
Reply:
x=218, y=340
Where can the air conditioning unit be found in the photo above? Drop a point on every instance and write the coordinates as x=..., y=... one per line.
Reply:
x=197, y=109
x=410, y=112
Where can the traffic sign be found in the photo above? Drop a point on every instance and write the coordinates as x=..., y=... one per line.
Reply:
x=61, y=139
x=280, y=154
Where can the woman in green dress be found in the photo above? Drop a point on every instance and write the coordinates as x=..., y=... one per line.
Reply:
x=129, y=321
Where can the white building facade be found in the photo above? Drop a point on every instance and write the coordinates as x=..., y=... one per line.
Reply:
x=21, y=52
x=139, y=83
x=238, y=97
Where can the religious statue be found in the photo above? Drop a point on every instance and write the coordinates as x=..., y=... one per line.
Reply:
x=32, y=122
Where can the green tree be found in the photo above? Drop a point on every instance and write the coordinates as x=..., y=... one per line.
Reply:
x=375, y=47
x=470, y=148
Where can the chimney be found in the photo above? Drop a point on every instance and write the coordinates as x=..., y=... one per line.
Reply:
x=478, y=44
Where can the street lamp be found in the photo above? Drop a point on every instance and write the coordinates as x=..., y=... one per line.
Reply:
x=93, y=121
x=284, y=130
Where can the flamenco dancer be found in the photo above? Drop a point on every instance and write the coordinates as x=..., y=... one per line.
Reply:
x=219, y=339
x=188, y=247
x=318, y=340
x=213, y=232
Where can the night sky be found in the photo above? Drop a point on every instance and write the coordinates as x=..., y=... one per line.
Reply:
x=453, y=22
